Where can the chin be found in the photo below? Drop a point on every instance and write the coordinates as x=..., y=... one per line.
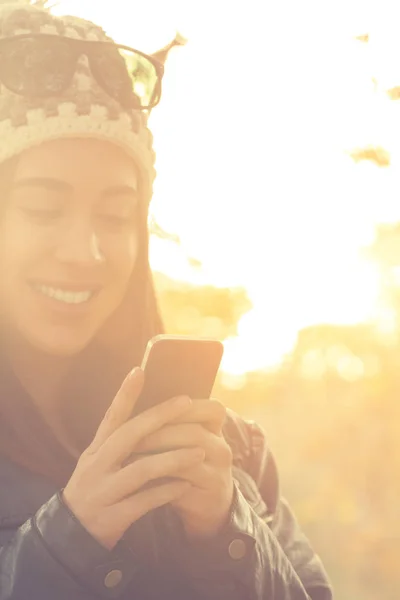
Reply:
x=63, y=346
x=63, y=351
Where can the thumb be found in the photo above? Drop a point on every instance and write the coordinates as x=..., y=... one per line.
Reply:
x=121, y=409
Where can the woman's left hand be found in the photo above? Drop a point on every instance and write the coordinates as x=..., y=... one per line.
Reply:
x=205, y=507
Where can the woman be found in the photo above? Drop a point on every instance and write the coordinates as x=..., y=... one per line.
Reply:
x=78, y=518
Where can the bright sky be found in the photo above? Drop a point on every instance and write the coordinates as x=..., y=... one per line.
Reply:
x=259, y=110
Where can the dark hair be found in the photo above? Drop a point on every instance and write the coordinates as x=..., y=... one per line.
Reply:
x=94, y=379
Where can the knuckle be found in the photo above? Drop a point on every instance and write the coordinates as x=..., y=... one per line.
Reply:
x=133, y=431
x=111, y=418
x=149, y=419
x=175, y=458
x=225, y=453
x=108, y=414
x=163, y=492
x=155, y=466
x=157, y=497
x=187, y=456
x=88, y=456
x=161, y=414
x=140, y=471
x=167, y=409
x=88, y=453
x=219, y=409
x=199, y=433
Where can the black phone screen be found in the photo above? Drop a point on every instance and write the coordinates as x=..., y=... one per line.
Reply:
x=179, y=367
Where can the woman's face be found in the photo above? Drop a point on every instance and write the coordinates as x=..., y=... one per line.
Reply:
x=68, y=242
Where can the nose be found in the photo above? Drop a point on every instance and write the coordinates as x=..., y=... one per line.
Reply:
x=79, y=245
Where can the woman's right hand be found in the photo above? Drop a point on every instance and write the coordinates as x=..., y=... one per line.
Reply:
x=104, y=492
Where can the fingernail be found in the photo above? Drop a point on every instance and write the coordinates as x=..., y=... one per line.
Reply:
x=134, y=373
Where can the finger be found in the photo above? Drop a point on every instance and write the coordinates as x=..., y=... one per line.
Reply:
x=120, y=445
x=182, y=435
x=134, y=507
x=208, y=475
x=121, y=408
x=217, y=450
x=131, y=478
x=210, y=413
x=201, y=476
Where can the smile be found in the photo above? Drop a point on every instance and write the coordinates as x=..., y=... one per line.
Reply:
x=66, y=296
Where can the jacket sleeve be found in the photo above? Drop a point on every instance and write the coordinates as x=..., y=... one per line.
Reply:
x=262, y=554
x=53, y=556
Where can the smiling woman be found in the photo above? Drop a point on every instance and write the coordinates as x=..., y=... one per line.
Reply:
x=96, y=500
x=69, y=242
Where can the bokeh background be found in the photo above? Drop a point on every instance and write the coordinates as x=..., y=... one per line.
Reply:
x=276, y=228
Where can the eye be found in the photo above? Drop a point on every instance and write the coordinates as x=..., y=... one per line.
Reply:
x=115, y=221
x=42, y=214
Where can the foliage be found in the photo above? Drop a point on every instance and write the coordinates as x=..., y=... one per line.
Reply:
x=333, y=421
x=200, y=310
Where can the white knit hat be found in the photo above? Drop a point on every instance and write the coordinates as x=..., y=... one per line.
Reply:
x=84, y=110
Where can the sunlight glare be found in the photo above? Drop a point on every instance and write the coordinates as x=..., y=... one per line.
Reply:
x=258, y=184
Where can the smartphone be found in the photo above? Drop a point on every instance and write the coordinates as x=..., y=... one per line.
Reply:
x=178, y=366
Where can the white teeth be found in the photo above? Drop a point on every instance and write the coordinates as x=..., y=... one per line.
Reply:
x=63, y=295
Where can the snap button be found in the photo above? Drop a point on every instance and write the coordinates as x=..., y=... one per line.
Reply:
x=113, y=578
x=237, y=549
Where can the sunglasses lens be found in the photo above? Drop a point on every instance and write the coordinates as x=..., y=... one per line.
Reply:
x=127, y=75
x=144, y=78
x=36, y=66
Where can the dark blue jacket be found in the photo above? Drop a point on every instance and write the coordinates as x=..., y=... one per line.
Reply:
x=46, y=554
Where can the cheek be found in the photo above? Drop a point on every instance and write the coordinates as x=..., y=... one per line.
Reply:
x=122, y=254
x=20, y=248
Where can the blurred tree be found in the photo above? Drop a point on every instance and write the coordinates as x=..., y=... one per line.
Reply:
x=200, y=310
x=377, y=155
x=394, y=93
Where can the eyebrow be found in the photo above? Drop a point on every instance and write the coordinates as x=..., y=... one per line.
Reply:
x=44, y=182
x=120, y=190
x=58, y=185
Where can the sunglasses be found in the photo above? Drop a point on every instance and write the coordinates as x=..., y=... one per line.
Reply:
x=43, y=65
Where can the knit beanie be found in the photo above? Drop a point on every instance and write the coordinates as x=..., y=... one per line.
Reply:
x=84, y=110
